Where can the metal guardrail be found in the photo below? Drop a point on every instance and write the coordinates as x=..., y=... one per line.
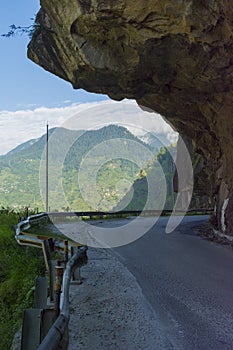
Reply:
x=126, y=212
x=55, y=334
x=24, y=239
x=25, y=225
x=31, y=240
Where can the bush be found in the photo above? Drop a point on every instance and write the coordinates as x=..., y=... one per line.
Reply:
x=19, y=266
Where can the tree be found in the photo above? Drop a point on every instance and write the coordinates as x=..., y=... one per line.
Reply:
x=22, y=30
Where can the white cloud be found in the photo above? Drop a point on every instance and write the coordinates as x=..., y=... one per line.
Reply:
x=22, y=125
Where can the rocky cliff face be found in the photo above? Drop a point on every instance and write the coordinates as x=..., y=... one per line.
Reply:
x=173, y=56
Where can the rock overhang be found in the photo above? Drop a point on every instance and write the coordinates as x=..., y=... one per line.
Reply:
x=174, y=57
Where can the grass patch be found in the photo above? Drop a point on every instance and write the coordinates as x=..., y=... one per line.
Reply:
x=19, y=266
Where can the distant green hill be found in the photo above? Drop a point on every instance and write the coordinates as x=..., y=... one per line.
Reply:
x=19, y=169
x=155, y=141
x=153, y=189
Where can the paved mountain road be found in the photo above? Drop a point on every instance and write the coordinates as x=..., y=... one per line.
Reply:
x=188, y=281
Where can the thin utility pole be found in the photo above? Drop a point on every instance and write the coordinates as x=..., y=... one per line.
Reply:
x=47, y=170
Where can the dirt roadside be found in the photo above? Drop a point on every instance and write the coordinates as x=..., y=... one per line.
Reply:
x=109, y=311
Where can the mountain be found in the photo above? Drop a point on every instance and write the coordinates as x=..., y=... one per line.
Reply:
x=22, y=147
x=153, y=188
x=156, y=141
x=34, y=148
x=20, y=175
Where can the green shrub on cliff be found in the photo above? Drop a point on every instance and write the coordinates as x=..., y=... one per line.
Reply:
x=18, y=268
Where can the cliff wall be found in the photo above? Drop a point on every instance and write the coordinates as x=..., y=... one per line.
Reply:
x=173, y=56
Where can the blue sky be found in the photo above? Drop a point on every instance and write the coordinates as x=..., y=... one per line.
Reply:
x=31, y=97
x=23, y=83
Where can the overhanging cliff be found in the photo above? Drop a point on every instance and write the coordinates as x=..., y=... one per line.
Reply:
x=173, y=56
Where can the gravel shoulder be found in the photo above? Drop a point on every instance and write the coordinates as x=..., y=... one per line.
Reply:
x=109, y=311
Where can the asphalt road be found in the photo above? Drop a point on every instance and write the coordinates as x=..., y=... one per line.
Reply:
x=189, y=283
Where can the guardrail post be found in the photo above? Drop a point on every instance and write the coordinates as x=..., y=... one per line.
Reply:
x=47, y=253
x=66, y=251
x=47, y=320
x=31, y=329
x=41, y=293
x=76, y=276
x=52, y=264
x=57, y=288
